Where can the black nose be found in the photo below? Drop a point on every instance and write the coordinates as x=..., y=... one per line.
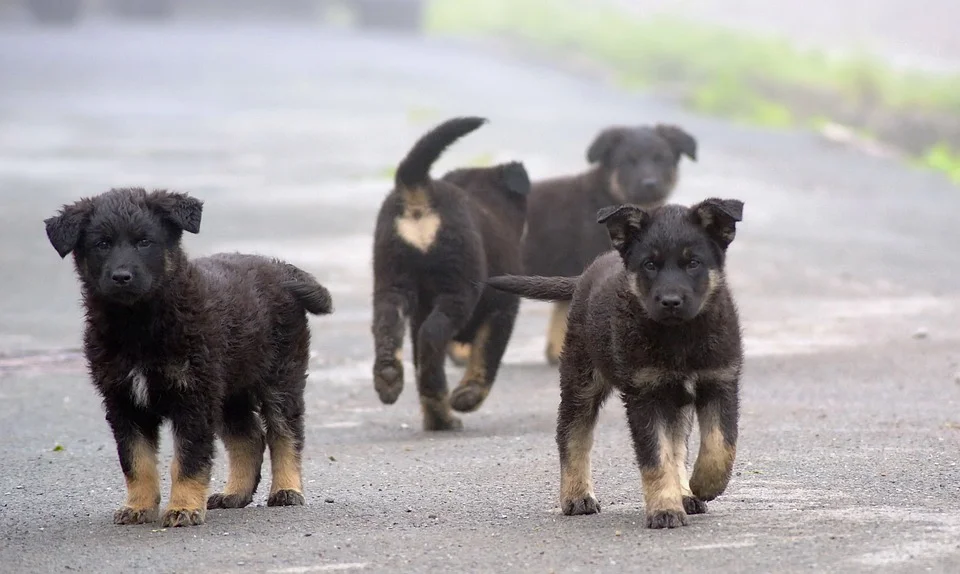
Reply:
x=650, y=183
x=671, y=301
x=121, y=278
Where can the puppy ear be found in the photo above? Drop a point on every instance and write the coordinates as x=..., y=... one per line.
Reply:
x=515, y=177
x=604, y=144
x=680, y=141
x=624, y=224
x=719, y=218
x=178, y=208
x=63, y=230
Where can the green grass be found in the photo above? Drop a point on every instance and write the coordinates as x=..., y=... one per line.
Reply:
x=941, y=158
x=721, y=72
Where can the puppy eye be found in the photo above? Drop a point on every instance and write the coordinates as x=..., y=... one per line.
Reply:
x=650, y=265
x=693, y=264
x=103, y=244
x=144, y=243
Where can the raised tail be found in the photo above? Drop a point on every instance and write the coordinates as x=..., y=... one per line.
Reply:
x=534, y=287
x=314, y=297
x=414, y=169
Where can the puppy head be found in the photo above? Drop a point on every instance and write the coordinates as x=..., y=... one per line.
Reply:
x=674, y=255
x=641, y=162
x=125, y=242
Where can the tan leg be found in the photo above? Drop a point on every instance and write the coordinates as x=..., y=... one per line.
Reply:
x=143, y=485
x=655, y=441
x=286, y=488
x=580, y=402
x=188, y=497
x=245, y=460
x=681, y=434
x=718, y=418
x=473, y=388
x=557, y=331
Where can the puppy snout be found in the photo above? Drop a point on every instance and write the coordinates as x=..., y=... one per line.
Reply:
x=671, y=301
x=650, y=183
x=121, y=277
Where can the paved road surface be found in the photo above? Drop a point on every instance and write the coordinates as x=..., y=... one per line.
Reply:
x=850, y=447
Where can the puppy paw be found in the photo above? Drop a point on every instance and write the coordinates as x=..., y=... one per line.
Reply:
x=174, y=517
x=432, y=422
x=666, y=519
x=459, y=353
x=581, y=505
x=286, y=498
x=388, y=380
x=693, y=505
x=221, y=500
x=128, y=515
x=468, y=396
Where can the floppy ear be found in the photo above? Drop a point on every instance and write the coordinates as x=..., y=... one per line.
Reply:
x=719, y=218
x=680, y=141
x=63, y=230
x=178, y=208
x=624, y=223
x=604, y=144
x=515, y=177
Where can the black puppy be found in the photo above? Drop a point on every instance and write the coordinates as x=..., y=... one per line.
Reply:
x=218, y=345
x=633, y=165
x=655, y=321
x=434, y=244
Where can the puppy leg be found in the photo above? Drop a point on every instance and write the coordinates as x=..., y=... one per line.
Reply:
x=243, y=438
x=137, y=436
x=447, y=317
x=581, y=396
x=557, y=331
x=192, y=461
x=390, y=309
x=680, y=436
x=459, y=353
x=718, y=412
x=285, y=436
x=486, y=354
x=653, y=426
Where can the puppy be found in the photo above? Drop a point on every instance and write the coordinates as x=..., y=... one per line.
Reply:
x=655, y=321
x=633, y=165
x=434, y=244
x=216, y=345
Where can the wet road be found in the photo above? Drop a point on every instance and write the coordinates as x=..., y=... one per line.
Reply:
x=845, y=269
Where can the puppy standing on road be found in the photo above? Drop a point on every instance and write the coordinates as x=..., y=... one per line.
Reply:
x=634, y=165
x=655, y=321
x=435, y=242
x=216, y=345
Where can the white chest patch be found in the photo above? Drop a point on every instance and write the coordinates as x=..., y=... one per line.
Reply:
x=419, y=232
x=138, y=388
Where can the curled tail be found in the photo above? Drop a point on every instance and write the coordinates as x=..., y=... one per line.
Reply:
x=314, y=297
x=533, y=287
x=415, y=168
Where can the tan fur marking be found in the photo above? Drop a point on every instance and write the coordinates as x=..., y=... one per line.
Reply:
x=680, y=438
x=633, y=285
x=711, y=473
x=417, y=226
x=576, y=480
x=187, y=493
x=245, y=459
x=661, y=485
x=460, y=352
x=613, y=185
x=286, y=466
x=143, y=487
x=477, y=365
x=557, y=331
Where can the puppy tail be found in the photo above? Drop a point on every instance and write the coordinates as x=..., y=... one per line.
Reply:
x=414, y=170
x=314, y=297
x=533, y=287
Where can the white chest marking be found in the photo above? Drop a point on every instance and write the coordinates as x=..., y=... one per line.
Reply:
x=138, y=388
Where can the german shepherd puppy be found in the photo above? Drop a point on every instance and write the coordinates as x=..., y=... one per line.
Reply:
x=632, y=165
x=655, y=321
x=216, y=345
x=434, y=244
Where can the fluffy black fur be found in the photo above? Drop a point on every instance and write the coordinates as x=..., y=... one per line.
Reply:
x=655, y=321
x=215, y=345
x=435, y=242
x=632, y=165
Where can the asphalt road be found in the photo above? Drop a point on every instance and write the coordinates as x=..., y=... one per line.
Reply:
x=846, y=270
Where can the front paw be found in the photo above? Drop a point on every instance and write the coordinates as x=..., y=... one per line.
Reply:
x=128, y=515
x=221, y=500
x=693, y=505
x=286, y=498
x=666, y=519
x=174, y=517
x=586, y=504
x=388, y=380
x=468, y=396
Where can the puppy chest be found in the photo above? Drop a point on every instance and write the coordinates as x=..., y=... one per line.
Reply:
x=149, y=386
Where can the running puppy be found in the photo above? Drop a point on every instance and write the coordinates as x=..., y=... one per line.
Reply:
x=632, y=165
x=655, y=321
x=216, y=345
x=435, y=242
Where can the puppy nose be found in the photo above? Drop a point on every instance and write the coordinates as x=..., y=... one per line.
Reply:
x=671, y=301
x=649, y=183
x=121, y=277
